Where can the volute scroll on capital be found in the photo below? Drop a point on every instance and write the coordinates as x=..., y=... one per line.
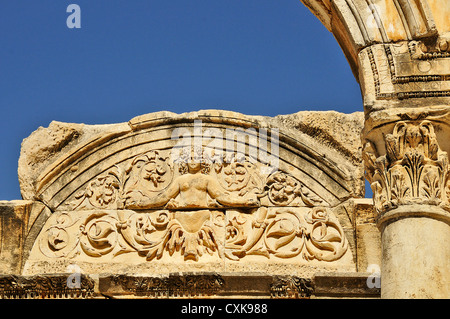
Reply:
x=413, y=170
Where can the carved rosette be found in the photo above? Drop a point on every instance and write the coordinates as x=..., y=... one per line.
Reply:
x=194, y=211
x=151, y=180
x=285, y=190
x=414, y=169
x=100, y=193
x=150, y=172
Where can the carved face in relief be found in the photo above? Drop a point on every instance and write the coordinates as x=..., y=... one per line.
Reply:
x=195, y=161
x=413, y=136
x=194, y=166
x=192, y=161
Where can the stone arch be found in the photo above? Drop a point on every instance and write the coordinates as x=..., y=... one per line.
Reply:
x=357, y=24
x=321, y=168
x=98, y=179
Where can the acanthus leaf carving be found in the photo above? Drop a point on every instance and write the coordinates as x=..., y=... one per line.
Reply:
x=45, y=286
x=191, y=242
x=283, y=189
x=414, y=169
x=237, y=174
x=102, y=192
x=149, y=172
x=151, y=181
x=56, y=240
x=172, y=285
x=291, y=287
x=98, y=234
x=286, y=233
x=327, y=241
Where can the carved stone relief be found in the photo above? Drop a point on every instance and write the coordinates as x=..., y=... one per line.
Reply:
x=301, y=234
x=216, y=208
x=149, y=204
x=152, y=181
x=291, y=287
x=406, y=70
x=414, y=169
x=45, y=286
x=285, y=233
x=170, y=286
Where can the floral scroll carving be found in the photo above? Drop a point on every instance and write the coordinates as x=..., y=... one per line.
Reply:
x=308, y=234
x=291, y=287
x=414, y=169
x=148, y=172
x=45, y=286
x=173, y=285
x=100, y=193
x=56, y=240
x=284, y=188
x=286, y=233
x=192, y=234
x=193, y=181
x=98, y=235
x=151, y=235
x=194, y=208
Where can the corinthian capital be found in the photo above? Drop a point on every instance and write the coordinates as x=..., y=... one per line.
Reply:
x=413, y=170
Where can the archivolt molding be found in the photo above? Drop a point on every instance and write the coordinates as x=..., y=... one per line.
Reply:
x=151, y=196
x=361, y=23
x=399, y=50
x=101, y=172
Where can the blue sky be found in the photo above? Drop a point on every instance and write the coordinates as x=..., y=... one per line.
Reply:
x=131, y=57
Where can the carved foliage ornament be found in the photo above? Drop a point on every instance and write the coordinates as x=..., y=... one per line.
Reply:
x=152, y=181
x=414, y=169
x=45, y=286
x=173, y=285
x=161, y=208
x=291, y=287
x=151, y=235
x=206, y=285
x=286, y=233
x=269, y=233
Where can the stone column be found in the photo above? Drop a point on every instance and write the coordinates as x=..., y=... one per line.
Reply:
x=406, y=142
x=411, y=196
x=415, y=253
x=399, y=52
